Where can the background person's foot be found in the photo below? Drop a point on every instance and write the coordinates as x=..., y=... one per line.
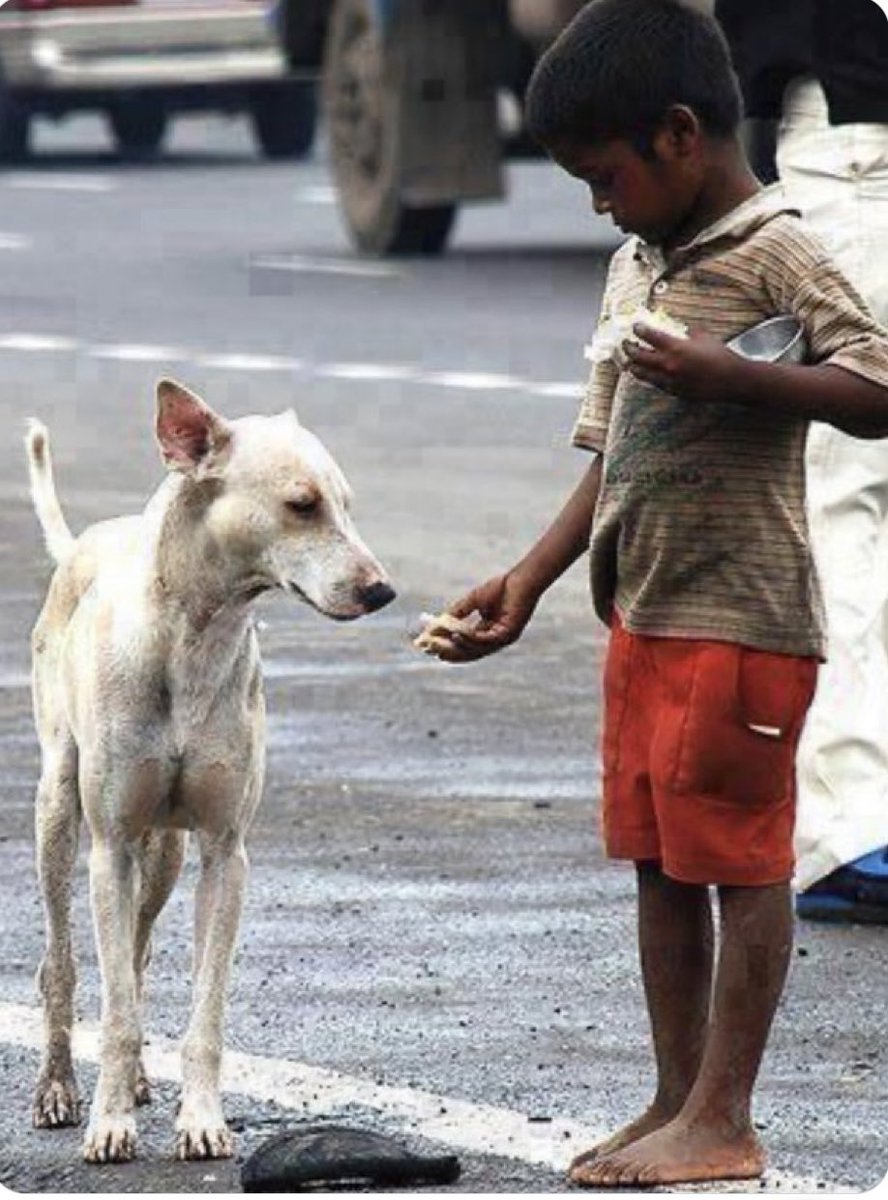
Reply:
x=856, y=892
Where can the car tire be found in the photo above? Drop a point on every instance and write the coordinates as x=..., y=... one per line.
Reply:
x=285, y=118
x=362, y=114
x=139, y=127
x=15, y=128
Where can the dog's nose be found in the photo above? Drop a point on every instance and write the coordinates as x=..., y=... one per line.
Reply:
x=376, y=596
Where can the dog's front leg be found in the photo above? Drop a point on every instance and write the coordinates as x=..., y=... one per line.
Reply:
x=111, y=1134
x=200, y=1127
x=160, y=855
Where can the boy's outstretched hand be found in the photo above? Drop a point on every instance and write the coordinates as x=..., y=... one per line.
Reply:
x=505, y=608
x=697, y=367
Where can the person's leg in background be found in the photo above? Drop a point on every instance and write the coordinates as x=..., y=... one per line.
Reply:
x=838, y=176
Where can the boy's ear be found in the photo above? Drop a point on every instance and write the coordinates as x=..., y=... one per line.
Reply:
x=192, y=438
x=680, y=132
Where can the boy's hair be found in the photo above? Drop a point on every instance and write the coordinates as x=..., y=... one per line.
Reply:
x=619, y=65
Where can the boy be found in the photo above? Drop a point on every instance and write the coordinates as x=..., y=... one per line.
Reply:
x=693, y=511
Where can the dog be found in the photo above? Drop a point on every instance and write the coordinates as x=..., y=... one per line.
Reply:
x=149, y=708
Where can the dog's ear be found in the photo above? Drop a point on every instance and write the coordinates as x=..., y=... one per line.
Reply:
x=190, y=435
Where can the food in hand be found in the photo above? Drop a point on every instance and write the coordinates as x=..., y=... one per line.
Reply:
x=658, y=318
x=437, y=630
x=618, y=328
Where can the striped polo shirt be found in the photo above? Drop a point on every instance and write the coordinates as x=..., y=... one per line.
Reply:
x=700, y=529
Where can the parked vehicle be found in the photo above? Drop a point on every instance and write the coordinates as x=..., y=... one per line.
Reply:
x=423, y=103
x=143, y=61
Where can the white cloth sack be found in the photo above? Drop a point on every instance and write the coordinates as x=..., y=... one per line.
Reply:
x=838, y=177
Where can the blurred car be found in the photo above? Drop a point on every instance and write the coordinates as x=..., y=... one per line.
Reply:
x=141, y=62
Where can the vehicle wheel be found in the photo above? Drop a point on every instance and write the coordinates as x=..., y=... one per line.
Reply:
x=15, y=128
x=284, y=119
x=363, y=117
x=138, y=127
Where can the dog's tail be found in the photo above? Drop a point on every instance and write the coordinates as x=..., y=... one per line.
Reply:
x=59, y=539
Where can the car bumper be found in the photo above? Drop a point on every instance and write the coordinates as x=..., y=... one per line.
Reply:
x=141, y=49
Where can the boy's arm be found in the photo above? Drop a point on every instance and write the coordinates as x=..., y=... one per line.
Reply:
x=846, y=383
x=565, y=539
x=506, y=602
x=701, y=368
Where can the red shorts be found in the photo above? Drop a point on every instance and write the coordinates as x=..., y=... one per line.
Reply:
x=699, y=753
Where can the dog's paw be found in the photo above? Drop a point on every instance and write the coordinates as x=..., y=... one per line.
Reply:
x=56, y=1103
x=110, y=1140
x=197, y=1138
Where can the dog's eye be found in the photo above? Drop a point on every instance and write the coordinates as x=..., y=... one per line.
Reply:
x=303, y=505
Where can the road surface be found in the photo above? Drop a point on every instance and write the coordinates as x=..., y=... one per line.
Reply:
x=433, y=945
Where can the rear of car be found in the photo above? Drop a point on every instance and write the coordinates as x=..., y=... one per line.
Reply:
x=143, y=61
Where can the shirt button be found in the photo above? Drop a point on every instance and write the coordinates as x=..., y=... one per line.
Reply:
x=660, y=287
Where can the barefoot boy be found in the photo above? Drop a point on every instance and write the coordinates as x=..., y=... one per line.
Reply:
x=693, y=509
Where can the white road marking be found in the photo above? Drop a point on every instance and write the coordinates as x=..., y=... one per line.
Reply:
x=249, y=362
x=37, y=343
x=136, y=352
x=557, y=391
x=61, y=183
x=319, y=1092
x=366, y=371
x=317, y=195
x=14, y=681
x=354, y=372
x=471, y=381
x=324, y=266
x=322, y=672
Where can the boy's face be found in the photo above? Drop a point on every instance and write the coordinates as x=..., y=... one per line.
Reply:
x=649, y=196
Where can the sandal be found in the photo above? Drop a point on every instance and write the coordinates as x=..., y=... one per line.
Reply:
x=854, y=893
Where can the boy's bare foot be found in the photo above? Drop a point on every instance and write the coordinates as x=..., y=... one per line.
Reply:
x=654, y=1118
x=679, y=1152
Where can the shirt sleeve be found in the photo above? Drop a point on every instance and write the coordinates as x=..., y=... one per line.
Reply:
x=839, y=327
x=590, y=430
x=593, y=419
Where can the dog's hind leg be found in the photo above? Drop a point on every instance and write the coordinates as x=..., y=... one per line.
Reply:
x=57, y=821
x=160, y=854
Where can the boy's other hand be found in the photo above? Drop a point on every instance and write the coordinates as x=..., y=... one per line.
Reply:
x=697, y=367
x=504, y=606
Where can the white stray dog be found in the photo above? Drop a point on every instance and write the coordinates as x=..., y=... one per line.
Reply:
x=149, y=707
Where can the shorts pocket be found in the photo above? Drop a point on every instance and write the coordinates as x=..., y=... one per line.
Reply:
x=617, y=671
x=744, y=715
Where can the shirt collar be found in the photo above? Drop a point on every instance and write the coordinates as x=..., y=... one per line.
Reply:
x=739, y=223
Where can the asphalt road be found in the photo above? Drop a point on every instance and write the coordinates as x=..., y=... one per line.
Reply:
x=430, y=918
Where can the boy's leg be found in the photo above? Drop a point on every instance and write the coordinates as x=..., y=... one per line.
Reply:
x=675, y=948
x=712, y=1136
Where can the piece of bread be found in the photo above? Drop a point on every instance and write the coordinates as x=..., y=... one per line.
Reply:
x=658, y=318
x=435, y=635
x=620, y=327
